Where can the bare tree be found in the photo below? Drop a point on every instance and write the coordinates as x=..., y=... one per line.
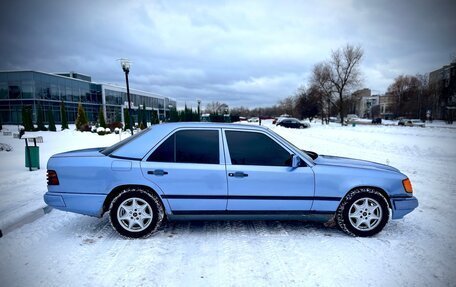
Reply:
x=216, y=108
x=321, y=81
x=411, y=95
x=286, y=105
x=344, y=72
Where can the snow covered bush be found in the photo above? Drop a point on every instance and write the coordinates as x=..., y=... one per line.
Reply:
x=117, y=131
x=101, y=131
x=107, y=131
x=93, y=129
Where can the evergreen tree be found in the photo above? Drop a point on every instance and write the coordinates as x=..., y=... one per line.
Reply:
x=118, y=117
x=24, y=117
x=101, y=118
x=51, y=121
x=40, y=119
x=81, y=119
x=1, y=122
x=127, y=120
x=144, y=116
x=64, y=116
x=27, y=118
x=139, y=116
x=173, y=115
x=154, y=118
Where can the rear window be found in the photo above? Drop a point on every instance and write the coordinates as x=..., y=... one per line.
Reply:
x=111, y=149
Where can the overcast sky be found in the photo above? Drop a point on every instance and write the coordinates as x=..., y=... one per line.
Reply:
x=249, y=53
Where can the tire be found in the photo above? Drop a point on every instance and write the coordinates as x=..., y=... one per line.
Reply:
x=301, y=126
x=136, y=213
x=363, y=212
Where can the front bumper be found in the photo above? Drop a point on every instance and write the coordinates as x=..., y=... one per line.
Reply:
x=88, y=204
x=403, y=205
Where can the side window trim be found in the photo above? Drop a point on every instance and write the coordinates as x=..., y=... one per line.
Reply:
x=227, y=150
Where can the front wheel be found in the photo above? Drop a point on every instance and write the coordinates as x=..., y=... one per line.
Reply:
x=363, y=212
x=135, y=213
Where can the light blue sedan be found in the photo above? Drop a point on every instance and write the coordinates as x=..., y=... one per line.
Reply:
x=185, y=171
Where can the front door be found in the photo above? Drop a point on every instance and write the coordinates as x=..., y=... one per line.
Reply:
x=189, y=168
x=260, y=176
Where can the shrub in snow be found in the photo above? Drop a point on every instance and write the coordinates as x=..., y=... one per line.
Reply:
x=107, y=130
x=93, y=129
x=116, y=131
x=101, y=131
x=81, y=119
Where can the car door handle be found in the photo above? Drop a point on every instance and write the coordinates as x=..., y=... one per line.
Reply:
x=159, y=172
x=238, y=174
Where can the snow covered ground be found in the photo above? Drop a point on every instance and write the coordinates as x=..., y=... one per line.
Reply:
x=74, y=250
x=21, y=191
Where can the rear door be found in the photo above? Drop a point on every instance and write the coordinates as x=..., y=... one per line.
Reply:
x=189, y=167
x=260, y=176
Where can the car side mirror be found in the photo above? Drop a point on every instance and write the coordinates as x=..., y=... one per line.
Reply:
x=295, y=161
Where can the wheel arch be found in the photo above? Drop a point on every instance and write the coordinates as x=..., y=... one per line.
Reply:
x=118, y=189
x=376, y=188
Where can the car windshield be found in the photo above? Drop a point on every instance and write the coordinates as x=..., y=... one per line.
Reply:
x=300, y=151
x=111, y=149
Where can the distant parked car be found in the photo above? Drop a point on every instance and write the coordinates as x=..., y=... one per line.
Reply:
x=402, y=122
x=351, y=117
x=293, y=123
x=182, y=171
x=411, y=123
x=253, y=120
x=278, y=119
x=377, y=121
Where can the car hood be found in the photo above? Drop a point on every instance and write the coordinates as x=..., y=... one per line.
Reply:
x=350, y=162
x=88, y=152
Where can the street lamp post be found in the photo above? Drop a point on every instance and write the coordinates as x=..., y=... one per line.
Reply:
x=125, y=63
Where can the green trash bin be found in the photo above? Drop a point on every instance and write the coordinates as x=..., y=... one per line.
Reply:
x=353, y=124
x=32, y=161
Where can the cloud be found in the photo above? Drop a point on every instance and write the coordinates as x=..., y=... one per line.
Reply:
x=246, y=53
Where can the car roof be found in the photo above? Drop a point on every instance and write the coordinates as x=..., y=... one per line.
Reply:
x=173, y=126
x=140, y=146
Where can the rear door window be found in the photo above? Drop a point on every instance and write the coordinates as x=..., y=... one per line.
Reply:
x=189, y=146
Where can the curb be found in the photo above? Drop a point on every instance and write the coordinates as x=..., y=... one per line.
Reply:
x=27, y=218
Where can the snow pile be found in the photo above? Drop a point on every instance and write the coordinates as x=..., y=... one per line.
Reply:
x=22, y=191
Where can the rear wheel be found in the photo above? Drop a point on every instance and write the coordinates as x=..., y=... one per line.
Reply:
x=363, y=212
x=135, y=213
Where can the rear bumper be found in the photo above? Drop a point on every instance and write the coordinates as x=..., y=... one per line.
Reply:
x=402, y=206
x=88, y=204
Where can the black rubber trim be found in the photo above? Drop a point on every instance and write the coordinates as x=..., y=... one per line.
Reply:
x=250, y=197
x=247, y=212
x=124, y=157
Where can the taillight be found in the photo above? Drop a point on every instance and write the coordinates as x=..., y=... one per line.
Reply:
x=52, y=178
x=407, y=185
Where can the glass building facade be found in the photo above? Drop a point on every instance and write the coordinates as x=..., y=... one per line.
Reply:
x=31, y=88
